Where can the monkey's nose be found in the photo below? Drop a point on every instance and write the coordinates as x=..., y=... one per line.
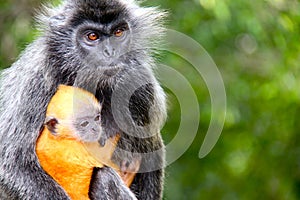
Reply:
x=109, y=52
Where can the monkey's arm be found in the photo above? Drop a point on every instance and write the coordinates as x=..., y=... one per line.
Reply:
x=32, y=185
x=24, y=94
x=148, y=182
x=147, y=106
x=107, y=184
x=143, y=121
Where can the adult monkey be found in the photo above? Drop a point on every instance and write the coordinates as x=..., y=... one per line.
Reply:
x=106, y=47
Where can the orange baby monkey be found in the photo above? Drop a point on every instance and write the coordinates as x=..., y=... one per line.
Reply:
x=71, y=132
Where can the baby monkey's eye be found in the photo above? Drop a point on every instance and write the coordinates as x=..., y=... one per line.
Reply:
x=92, y=36
x=84, y=124
x=97, y=118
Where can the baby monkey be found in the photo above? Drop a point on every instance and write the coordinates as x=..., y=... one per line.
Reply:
x=68, y=150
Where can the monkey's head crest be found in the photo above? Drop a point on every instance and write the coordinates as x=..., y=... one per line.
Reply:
x=69, y=102
x=103, y=33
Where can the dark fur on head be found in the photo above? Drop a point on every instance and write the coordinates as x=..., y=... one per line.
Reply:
x=55, y=58
x=145, y=24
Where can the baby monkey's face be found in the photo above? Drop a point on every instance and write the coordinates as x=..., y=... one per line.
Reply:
x=82, y=128
x=88, y=128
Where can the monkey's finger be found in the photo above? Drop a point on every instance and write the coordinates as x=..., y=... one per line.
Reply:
x=103, y=154
x=129, y=169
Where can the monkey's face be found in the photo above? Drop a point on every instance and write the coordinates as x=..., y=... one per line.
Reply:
x=103, y=45
x=88, y=128
x=84, y=128
x=74, y=113
x=103, y=34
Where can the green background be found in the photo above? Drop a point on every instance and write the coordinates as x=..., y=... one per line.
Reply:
x=255, y=45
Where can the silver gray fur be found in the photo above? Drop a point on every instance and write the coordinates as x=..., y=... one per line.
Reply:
x=110, y=189
x=54, y=58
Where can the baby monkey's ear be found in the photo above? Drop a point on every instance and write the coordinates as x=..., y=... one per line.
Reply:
x=50, y=124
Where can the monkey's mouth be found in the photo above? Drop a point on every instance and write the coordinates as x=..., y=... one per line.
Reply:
x=112, y=63
x=111, y=70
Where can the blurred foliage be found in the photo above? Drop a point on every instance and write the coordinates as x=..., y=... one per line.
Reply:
x=255, y=45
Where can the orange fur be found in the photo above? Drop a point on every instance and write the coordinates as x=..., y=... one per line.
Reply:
x=68, y=162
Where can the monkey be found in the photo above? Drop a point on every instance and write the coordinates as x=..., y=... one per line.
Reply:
x=72, y=120
x=106, y=47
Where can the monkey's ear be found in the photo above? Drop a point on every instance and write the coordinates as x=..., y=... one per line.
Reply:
x=50, y=124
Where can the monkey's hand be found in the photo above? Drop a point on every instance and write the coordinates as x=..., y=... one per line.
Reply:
x=129, y=168
x=107, y=184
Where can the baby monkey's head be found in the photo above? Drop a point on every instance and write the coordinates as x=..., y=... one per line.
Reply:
x=74, y=113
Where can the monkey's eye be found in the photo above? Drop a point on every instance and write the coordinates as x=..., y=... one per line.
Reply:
x=119, y=32
x=84, y=124
x=92, y=36
x=97, y=118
